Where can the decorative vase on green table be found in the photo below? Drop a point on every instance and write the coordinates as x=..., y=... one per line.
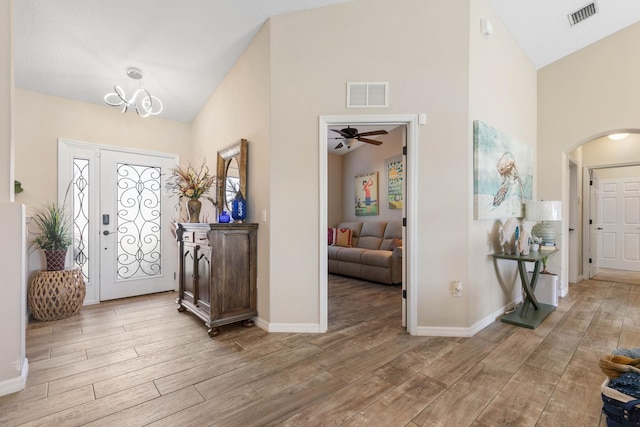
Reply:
x=193, y=208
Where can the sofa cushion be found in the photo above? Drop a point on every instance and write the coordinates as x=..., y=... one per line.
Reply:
x=355, y=228
x=391, y=232
x=331, y=235
x=332, y=251
x=395, y=243
x=379, y=258
x=351, y=254
x=371, y=235
x=343, y=237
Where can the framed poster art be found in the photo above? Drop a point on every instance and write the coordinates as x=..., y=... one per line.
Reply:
x=395, y=179
x=502, y=173
x=366, y=194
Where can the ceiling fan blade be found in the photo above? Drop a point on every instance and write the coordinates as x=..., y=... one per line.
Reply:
x=340, y=132
x=370, y=141
x=338, y=146
x=374, y=132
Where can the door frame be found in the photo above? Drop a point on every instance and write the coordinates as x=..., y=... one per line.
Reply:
x=66, y=148
x=411, y=230
x=575, y=254
x=586, y=209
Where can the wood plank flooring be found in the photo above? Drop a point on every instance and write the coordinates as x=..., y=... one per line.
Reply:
x=137, y=361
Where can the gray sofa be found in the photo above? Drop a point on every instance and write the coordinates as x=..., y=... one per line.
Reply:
x=375, y=253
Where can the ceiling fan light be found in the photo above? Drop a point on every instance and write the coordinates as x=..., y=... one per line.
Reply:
x=349, y=142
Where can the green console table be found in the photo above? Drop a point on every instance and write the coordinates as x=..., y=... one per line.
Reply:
x=531, y=312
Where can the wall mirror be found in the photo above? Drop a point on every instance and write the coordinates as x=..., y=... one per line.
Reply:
x=232, y=173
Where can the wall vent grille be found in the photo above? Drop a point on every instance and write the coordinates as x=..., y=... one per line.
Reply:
x=367, y=94
x=582, y=14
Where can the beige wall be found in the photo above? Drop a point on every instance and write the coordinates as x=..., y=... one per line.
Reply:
x=334, y=189
x=502, y=94
x=584, y=96
x=240, y=109
x=619, y=172
x=604, y=151
x=371, y=158
x=7, y=96
x=312, y=58
x=42, y=119
x=13, y=362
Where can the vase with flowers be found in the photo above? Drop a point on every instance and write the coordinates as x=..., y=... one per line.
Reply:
x=192, y=184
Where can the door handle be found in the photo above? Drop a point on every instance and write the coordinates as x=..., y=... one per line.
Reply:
x=106, y=232
x=571, y=229
x=599, y=228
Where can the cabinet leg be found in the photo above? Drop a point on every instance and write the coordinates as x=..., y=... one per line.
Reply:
x=248, y=323
x=182, y=308
x=213, y=332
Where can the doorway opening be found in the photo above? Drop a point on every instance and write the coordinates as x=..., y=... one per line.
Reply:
x=613, y=219
x=408, y=283
x=614, y=163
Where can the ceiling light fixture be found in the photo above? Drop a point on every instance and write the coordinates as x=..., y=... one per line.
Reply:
x=142, y=101
x=618, y=136
x=349, y=142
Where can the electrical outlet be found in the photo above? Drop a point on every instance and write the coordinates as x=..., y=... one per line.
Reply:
x=456, y=288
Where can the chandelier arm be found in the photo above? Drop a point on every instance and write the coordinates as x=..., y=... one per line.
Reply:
x=141, y=100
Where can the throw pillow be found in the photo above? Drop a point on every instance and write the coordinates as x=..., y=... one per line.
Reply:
x=343, y=237
x=331, y=234
x=395, y=244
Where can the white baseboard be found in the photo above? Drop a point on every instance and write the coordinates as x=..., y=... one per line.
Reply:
x=309, y=328
x=445, y=331
x=15, y=384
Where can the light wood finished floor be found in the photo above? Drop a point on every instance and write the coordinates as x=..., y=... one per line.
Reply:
x=622, y=276
x=139, y=362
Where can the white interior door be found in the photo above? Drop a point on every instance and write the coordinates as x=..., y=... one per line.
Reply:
x=121, y=219
x=620, y=223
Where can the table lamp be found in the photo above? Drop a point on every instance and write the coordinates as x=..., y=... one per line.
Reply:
x=544, y=211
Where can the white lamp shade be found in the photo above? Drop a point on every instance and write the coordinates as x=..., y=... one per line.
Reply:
x=543, y=211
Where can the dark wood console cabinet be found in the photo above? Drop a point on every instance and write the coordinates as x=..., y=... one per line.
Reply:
x=218, y=272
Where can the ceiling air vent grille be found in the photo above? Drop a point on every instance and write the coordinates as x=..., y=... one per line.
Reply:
x=582, y=14
x=367, y=94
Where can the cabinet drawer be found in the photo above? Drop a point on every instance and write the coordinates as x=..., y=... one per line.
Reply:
x=200, y=237
x=195, y=237
x=187, y=236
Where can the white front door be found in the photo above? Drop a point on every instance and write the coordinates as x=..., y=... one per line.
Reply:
x=620, y=223
x=122, y=219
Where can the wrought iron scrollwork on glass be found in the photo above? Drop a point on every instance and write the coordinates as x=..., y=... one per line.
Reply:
x=138, y=251
x=81, y=215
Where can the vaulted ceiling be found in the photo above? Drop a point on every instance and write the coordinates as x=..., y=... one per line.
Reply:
x=79, y=49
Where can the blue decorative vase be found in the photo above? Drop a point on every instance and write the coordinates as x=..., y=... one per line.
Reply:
x=224, y=217
x=239, y=208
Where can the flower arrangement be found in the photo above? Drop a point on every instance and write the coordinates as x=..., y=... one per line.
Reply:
x=187, y=182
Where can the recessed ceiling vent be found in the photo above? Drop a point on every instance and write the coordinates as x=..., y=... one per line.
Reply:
x=582, y=14
x=367, y=94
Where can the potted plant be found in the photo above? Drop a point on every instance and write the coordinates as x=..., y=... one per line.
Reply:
x=52, y=234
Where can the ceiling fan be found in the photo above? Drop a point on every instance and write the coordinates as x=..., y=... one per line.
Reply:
x=350, y=135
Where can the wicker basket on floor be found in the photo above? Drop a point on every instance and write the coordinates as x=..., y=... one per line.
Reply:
x=55, y=295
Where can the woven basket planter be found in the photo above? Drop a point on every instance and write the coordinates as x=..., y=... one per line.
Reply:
x=55, y=295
